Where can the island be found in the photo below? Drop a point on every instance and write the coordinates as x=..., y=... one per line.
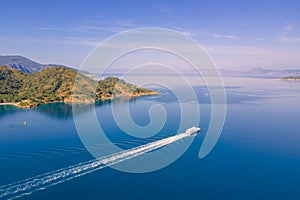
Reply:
x=290, y=78
x=57, y=85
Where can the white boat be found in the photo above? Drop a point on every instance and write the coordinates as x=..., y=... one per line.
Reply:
x=192, y=131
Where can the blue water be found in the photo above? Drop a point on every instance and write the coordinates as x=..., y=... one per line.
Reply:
x=256, y=157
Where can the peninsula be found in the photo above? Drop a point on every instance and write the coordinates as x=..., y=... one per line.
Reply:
x=57, y=85
x=290, y=78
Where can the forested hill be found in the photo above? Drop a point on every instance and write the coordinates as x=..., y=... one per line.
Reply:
x=56, y=85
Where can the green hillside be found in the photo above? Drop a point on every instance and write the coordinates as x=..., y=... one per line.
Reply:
x=56, y=85
x=11, y=83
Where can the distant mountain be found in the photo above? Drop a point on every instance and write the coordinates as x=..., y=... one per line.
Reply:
x=260, y=72
x=274, y=72
x=56, y=85
x=24, y=64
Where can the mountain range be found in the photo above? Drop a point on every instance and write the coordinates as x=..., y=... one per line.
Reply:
x=28, y=66
x=24, y=64
x=260, y=72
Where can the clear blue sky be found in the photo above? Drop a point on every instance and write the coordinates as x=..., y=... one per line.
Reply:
x=237, y=34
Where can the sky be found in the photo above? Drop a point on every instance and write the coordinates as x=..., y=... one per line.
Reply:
x=236, y=34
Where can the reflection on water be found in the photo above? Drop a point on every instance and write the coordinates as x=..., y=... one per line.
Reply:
x=57, y=110
x=60, y=110
x=8, y=109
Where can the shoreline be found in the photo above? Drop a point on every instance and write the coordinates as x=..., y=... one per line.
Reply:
x=29, y=106
x=9, y=104
x=288, y=79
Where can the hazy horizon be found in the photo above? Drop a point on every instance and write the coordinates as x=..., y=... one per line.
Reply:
x=237, y=35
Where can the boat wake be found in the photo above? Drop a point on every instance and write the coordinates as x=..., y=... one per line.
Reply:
x=43, y=181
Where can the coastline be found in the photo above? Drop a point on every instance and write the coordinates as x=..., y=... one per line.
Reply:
x=289, y=78
x=9, y=104
x=32, y=105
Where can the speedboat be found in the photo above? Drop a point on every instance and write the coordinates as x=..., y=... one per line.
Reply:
x=192, y=131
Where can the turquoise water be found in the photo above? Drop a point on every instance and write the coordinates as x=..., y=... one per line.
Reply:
x=256, y=157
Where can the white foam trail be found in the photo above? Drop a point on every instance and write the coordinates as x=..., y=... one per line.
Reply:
x=28, y=186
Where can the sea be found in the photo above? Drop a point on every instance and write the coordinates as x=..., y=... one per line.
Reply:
x=256, y=157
